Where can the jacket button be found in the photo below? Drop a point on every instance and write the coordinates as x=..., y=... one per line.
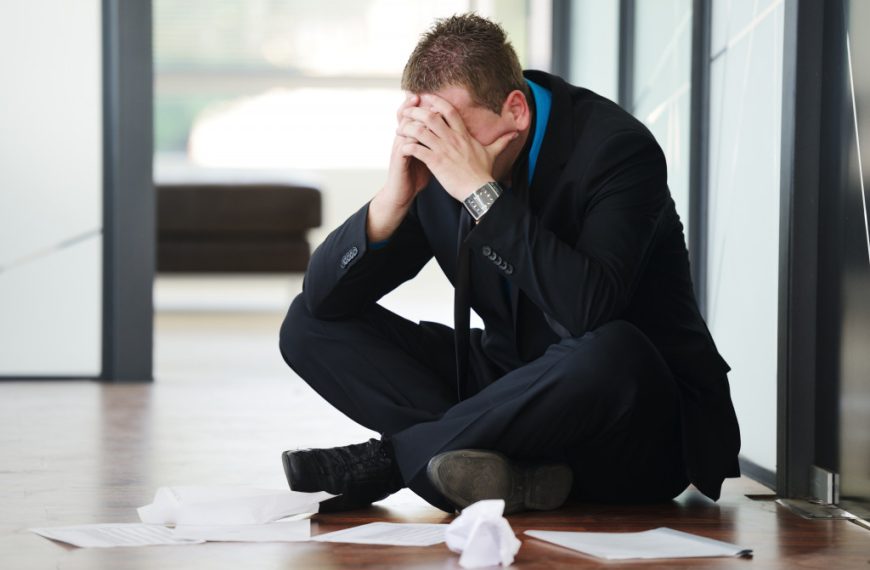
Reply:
x=486, y=250
x=510, y=269
x=493, y=256
x=503, y=265
x=348, y=256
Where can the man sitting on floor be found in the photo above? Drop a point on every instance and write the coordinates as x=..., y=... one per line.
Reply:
x=547, y=207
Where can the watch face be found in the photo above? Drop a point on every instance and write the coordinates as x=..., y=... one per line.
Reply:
x=482, y=199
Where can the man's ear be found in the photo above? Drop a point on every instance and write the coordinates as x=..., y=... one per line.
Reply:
x=516, y=108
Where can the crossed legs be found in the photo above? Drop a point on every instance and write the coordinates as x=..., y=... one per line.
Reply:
x=605, y=403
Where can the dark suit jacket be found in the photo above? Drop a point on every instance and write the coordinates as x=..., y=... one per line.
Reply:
x=594, y=238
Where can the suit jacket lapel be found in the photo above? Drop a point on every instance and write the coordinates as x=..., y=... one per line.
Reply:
x=554, y=154
x=558, y=138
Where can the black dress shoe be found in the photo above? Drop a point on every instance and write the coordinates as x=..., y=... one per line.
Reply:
x=466, y=476
x=360, y=474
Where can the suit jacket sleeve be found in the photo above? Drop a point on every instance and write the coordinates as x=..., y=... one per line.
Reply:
x=345, y=275
x=585, y=284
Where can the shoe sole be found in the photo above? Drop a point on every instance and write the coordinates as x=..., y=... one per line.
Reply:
x=470, y=475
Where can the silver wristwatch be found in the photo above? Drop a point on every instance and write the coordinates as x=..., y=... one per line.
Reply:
x=482, y=199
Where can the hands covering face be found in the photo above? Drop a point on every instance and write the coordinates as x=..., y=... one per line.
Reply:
x=433, y=139
x=406, y=175
x=433, y=132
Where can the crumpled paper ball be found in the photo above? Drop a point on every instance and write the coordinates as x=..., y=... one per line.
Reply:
x=483, y=536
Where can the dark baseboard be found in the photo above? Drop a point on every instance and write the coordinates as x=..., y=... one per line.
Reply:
x=758, y=473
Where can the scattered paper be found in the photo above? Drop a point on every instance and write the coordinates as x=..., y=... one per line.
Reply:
x=227, y=505
x=483, y=536
x=297, y=517
x=657, y=543
x=109, y=535
x=295, y=531
x=388, y=534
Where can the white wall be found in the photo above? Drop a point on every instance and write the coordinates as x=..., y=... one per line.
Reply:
x=50, y=188
x=743, y=246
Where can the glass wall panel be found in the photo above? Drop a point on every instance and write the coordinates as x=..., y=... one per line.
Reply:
x=744, y=190
x=733, y=19
x=51, y=181
x=594, y=38
x=662, y=86
x=853, y=255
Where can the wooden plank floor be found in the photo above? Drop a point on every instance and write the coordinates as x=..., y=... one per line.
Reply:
x=223, y=408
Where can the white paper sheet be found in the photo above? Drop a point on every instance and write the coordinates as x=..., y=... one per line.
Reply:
x=109, y=535
x=295, y=531
x=211, y=506
x=388, y=534
x=483, y=536
x=657, y=543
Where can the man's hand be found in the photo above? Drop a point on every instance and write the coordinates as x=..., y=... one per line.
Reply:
x=437, y=137
x=405, y=178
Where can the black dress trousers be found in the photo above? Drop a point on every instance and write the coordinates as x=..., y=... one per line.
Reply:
x=604, y=403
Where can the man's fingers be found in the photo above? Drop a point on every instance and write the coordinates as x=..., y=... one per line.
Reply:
x=446, y=110
x=401, y=140
x=403, y=128
x=496, y=147
x=417, y=151
x=434, y=121
x=411, y=100
x=418, y=131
